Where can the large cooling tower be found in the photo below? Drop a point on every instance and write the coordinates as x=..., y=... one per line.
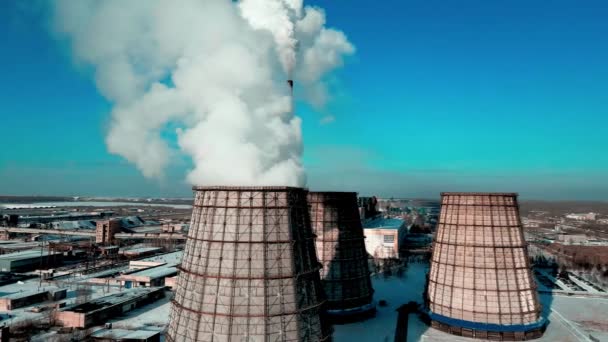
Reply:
x=341, y=250
x=480, y=281
x=249, y=270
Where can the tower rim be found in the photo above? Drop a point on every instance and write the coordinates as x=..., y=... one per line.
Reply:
x=245, y=188
x=512, y=194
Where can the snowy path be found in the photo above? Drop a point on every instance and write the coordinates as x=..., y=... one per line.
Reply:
x=571, y=327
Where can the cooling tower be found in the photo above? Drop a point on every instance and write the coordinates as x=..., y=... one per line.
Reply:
x=480, y=282
x=341, y=250
x=249, y=270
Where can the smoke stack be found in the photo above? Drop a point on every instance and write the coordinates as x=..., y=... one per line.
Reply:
x=480, y=282
x=249, y=270
x=341, y=250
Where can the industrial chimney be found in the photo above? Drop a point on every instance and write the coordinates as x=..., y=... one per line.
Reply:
x=480, y=282
x=249, y=270
x=341, y=250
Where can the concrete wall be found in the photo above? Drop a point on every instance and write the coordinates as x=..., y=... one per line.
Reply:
x=171, y=282
x=70, y=319
x=382, y=243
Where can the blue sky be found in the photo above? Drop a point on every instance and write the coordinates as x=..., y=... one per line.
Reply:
x=440, y=96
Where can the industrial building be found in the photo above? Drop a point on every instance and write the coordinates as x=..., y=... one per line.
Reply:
x=20, y=299
x=99, y=310
x=140, y=251
x=109, y=251
x=368, y=207
x=249, y=270
x=86, y=224
x=29, y=260
x=12, y=246
x=383, y=236
x=341, y=250
x=149, y=277
x=105, y=231
x=572, y=239
x=25, y=219
x=174, y=227
x=480, y=282
x=583, y=217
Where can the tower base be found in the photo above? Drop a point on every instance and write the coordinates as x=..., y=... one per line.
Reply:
x=487, y=331
x=345, y=316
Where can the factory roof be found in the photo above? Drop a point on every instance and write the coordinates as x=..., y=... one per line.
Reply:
x=131, y=221
x=383, y=223
x=114, y=299
x=19, y=244
x=123, y=334
x=23, y=294
x=24, y=255
x=61, y=215
x=108, y=247
x=147, y=229
x=142, y=250
x=86, y=224
x=155, y=272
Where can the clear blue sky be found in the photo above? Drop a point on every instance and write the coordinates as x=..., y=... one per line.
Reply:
x=440, y=96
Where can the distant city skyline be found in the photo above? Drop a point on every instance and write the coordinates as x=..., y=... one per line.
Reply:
x=487, y=96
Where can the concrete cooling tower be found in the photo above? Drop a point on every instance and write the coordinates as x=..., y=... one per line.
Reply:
x=480, y=281
x=249, y=270
x=341, y=250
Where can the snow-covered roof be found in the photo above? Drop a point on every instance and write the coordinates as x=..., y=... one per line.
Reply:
x=384, y=223
x=123, y=334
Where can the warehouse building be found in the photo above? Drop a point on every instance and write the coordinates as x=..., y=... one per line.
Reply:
x=150, y=277
x=26, y=261
x=99, y=310
x=26, y=298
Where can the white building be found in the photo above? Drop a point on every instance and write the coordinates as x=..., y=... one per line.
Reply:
x=382, y=237
x=572, y=239
x=582, y=217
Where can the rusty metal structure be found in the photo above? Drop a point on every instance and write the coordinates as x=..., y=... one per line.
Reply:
x=341, y=250
x=480, y=282
x=249, y=270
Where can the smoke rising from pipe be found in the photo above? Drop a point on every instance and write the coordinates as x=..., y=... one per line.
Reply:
x=214, y=68
x=277, y=17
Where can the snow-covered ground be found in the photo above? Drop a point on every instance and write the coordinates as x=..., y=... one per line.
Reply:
x=169, y=258
x=572, y=318
x=150, y=317
x=396, y=291
x=89, y=204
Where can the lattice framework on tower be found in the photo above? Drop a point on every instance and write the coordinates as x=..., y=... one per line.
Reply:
x=480, y=270
x=249, y=270
x=341, y=250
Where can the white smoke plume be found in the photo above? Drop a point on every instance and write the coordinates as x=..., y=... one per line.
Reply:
x=278, y=17
x=215, y=68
